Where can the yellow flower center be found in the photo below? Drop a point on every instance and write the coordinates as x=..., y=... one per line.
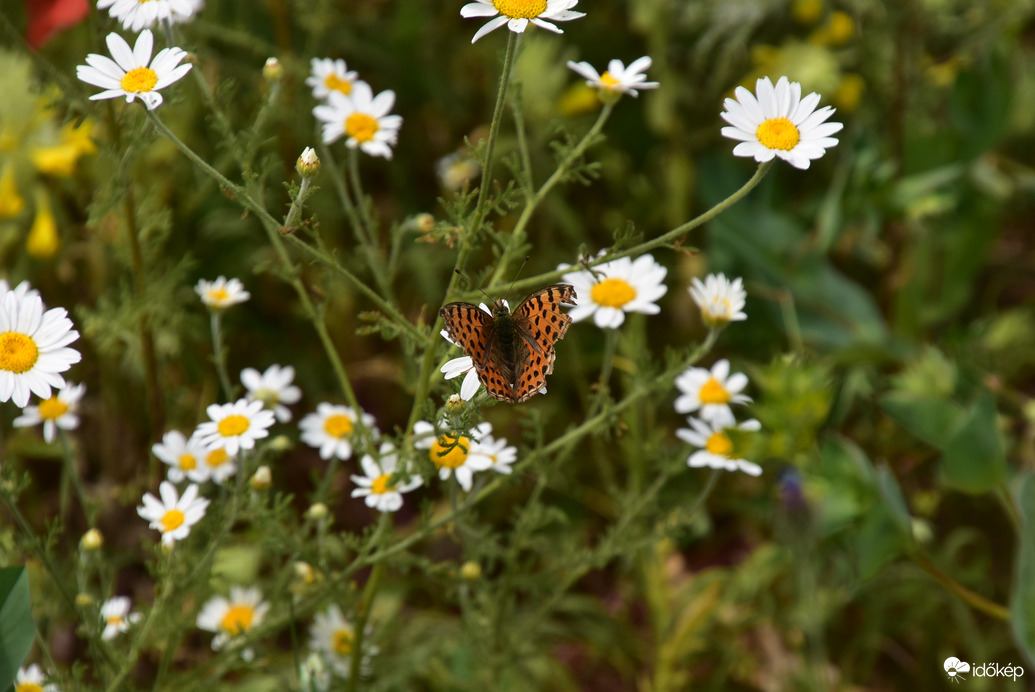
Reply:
x=339, y=425
x=341, y=641
x=233, y=425
x=521, y=9
x=28, y=687
x=238, y=619
x=608, y=80
x=266, y=396
x=612, y=293
x=217, y=457
x=115, y=620
x=380, y=485
x=171, y=520
x=713, y=393
x=188, y=462
x=218, y=295
x=52, y=409
x=361, y=127
x=450, y=451
x=719, y=444
x=778, y=133
x=336, y=83
x=18, y=353
x=139, y=79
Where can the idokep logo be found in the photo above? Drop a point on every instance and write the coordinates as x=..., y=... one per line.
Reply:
x=956, y=670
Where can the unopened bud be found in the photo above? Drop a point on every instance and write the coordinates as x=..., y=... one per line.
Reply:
x=262, y=478
x=308, y=164
x=272, y=71
x=471, y=570
x=91, y=540
x=454, y=404
x=317, y=512
x=83, y=600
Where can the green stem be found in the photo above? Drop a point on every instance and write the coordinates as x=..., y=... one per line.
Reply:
x=72, y=474
x=518, y=234
x=363, y=613
x=494, y=130
x=540, y=279
x=428, y=362
x=219, y=352
x=975, y=600
x=39, y=549
x=371, y=247
x=272, y=228
x=328, y=161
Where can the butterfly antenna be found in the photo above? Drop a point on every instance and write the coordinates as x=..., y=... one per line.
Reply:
x=468, y=279
x=516, y=276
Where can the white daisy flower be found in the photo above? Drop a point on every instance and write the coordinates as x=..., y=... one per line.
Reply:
x=59, y=411
x=232, y=617
x=710, y=392
x=184, y=457
x=779, y=122
x=721, y=301
x=235, y=426
x=334, y=637
x=617, y=79
x=332, y=428
x=363, y=118
x=615, y=288
x=328, y=75
x=21, y=290
x=517, y=14
x=452, y=454
x=31, y=680
x=498, y=452
x=116, y=616
x=273, y=388
x=33, y=347
x=220, y=294
x=376, y=486
x=715, y=446
x=173, y=515
x=138, y=14
x=129, y=74
x=457, y=169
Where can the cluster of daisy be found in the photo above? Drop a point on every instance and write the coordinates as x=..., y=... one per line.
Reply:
x=34, y=351
x=709, y=393
x=775, y=121
x=348, y=108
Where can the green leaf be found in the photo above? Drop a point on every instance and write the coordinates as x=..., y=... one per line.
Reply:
x=17, y=628
x=930, y=419
x=974, y=459
x=895, y=502
x=880, y=541
x=1022, y=600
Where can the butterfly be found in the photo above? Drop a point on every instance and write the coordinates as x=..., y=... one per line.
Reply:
x=512, y=352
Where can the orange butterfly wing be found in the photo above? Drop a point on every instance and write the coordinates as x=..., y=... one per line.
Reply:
x=472, y=329
x=540, y=317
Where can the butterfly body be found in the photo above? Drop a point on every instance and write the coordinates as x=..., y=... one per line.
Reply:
x=512, y=352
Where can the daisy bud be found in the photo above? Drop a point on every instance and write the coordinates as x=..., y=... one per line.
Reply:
x=272, y=71
x=308, y=164
x=91, y=540
x=454, y=404
x=83, y=600
x=262, y=478
x=317, y=512
x=424, y=223
x=281, y=443
x=471, y=570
